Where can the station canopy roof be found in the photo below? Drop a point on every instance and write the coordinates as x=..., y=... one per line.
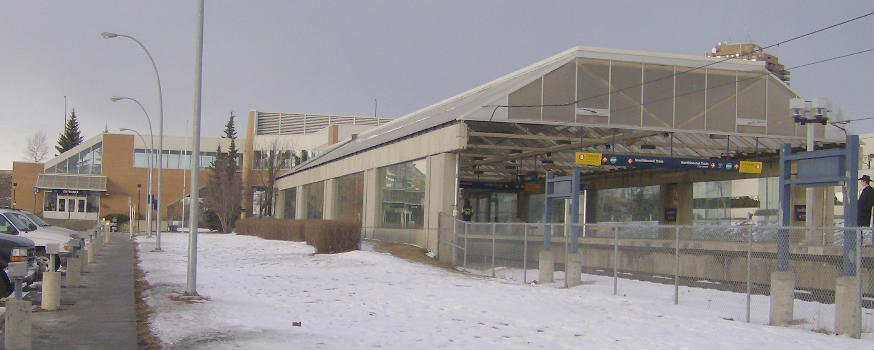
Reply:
x=605, y=100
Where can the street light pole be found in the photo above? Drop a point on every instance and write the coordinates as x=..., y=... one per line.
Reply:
x=149, y=208
x=108, y=35
x=139, y=189
x=190, y=288
x=151, y=157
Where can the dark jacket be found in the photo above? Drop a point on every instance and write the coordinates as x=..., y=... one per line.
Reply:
x=865, y=204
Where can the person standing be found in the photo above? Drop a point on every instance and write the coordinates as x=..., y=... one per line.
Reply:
x=865, y=203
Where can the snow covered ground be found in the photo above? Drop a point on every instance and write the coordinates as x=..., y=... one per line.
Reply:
x=257, y=290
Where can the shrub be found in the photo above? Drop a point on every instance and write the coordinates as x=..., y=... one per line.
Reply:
x=327, y=236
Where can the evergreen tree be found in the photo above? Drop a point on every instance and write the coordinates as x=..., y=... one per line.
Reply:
x=71, y=137
x=224, y=186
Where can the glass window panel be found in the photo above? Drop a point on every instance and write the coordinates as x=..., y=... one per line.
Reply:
x=779, y=117
x=73, y=164
x=93, y=202
x=349, y=197
x=290, y=203
x=751, y=100
x=98, y=158
x=593, y=88
x=314, y=199
x=625, y=94
x=402, y=195
x=50, y=201
x=658, y=105
x=558, y=88
x=173, y=160
x=721, y=104
x=62, y=167
x=81, y=206
x=141, y=158
x=528, y=95
x=51, y=170
x=690, y=98
x=84, y=166
x=636, y=204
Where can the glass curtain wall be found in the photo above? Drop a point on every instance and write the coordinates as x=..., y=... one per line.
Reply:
x=349, y=197
x=402, y=195
x=745, y=201
x=290, y=202
x=632, y=204
x=314, y=199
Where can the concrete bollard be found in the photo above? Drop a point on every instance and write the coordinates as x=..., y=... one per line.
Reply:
x=90, y=251
x=83, y=260
x=574, y=269
x=845, y=306
x=19, y=327
x=51, y=290
x=106, y=237
x=782, y=298
x=546, y=264
x=74, y=273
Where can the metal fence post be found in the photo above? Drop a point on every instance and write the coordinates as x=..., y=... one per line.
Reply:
x=525, y=257
x=677, y=265
x=859, y=284
x=494, y=226
x=749, y=272
x=466, y=230
x=615, y=260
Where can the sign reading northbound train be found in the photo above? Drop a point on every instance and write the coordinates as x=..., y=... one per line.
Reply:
x=740, y=166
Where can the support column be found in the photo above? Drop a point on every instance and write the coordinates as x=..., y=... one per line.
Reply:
x=19, y=327
x=782, y=298
x=300, y=210
x=279, y=204
x=574, y=269
x=371, y=200
x=440, y=197
x=328, y=201
x=846, y=311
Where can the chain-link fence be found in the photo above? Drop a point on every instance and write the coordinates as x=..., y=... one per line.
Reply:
x=724, y=268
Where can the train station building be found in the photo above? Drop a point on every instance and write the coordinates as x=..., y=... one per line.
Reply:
x=660, y=138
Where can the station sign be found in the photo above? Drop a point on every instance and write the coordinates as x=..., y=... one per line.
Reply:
x=739, y=166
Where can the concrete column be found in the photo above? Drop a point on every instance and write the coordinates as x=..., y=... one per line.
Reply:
x=89, y=248
x=300, y=209
x=106, y=238
x=74, y=277
x=371, y=202
x=51, y=290
x=546, y=264
x=440, y=196
x=782, y=298
x=248, y=162
x=574, y=268
x=328, y=202
x=83, y=259
x=846, y=312
x=667, y=200
x=19, y=327
x=279, y=205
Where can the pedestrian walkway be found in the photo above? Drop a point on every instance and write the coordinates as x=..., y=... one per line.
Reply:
x=100, y=314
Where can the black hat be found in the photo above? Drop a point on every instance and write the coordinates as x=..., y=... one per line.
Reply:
x=865, y=178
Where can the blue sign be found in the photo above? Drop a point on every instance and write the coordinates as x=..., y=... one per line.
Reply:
x=669, y=162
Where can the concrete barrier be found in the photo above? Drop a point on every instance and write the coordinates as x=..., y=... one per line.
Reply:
x=782, y=298
x=51, y=290
x=74, y=273
x=846, y=311
x=17, y=333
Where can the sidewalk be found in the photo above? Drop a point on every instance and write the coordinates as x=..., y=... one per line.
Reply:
x=100, y=314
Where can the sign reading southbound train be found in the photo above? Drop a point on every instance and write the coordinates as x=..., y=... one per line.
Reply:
x=598, y=159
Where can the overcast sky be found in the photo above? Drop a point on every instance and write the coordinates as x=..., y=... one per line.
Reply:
x=336, y=57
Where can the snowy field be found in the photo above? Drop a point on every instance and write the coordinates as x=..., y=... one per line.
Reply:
x=258, y=290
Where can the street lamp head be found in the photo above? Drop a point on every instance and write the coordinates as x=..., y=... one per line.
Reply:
x=108, y=35
x=124, y=129
x=116, y=98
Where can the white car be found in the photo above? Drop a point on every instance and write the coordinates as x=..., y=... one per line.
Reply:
x=52, y=228
x=27, y=229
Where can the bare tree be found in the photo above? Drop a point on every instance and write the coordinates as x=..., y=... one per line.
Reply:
x=37, y=148
x=273, y=160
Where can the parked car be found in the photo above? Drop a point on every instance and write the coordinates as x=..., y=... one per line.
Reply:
x=27, y=229
x=11, y=246
x=38, y=221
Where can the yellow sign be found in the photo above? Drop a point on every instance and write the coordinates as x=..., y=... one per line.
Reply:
x=750, y=167
x=586, y=158
x=534, y=187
